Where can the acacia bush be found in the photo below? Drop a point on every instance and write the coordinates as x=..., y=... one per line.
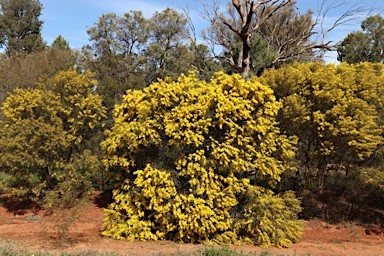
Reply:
x=336, y=112
x=180, y=151
x=45, y=137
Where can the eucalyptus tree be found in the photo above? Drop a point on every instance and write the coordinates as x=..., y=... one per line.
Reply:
x=131, y=51
x=365, y=45
x=289, y=33
x=114, y=53
x=167, y=53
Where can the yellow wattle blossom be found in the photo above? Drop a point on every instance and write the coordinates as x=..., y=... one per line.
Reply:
x=185, y=147
x=336, y=114
x=45, y=133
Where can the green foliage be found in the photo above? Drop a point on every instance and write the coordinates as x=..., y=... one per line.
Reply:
x=111, y=58
x=374, y=177
x=204, y=63
x=44, y=137
x=365, y=45
x=60, y=44
x=3, y=179
x=365, y=194
x=180, y=151
x=131, y=52
x=20, y=27
x=167, y=53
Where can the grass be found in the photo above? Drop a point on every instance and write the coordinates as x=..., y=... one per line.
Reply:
x=10, y=249
x=3, y=178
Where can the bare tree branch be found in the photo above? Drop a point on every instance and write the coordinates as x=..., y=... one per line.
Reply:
x=245, y=19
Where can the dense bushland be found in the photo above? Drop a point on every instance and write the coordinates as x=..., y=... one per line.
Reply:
x=222, y=160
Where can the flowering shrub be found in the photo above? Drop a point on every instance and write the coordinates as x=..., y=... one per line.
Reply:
x=336, y=114
x=45, y=135
x=181, y=151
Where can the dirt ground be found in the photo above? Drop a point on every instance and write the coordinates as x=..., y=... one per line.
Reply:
x=33, y=230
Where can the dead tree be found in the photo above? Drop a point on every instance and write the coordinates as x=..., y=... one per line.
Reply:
x=290, y=33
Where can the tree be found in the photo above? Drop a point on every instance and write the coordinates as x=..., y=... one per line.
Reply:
x=61, y=44
x=204, y=62
x=180, y=152
x=131, y=52
x=46, y=131
x=365, y=45
x=262, y=55
x=277, y=22
x=113, y=60
x=167, y=53
x=20, y=27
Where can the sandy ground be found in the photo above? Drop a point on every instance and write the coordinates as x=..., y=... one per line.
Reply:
x=22, y=227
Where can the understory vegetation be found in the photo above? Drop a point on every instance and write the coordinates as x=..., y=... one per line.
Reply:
x=9, y=249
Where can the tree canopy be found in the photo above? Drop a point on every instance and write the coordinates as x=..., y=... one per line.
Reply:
x=20, y=26
x=132, y=52
x=336, y=114
x=288, y=32
x=365, y=45
x=61, y=44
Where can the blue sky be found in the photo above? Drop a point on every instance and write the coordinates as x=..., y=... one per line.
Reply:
x=72, y=18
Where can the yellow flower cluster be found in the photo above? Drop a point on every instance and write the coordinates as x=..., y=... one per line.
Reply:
x=148, y=205
x=42, y=127
x=202, y=138
x=83, y=109
x=33, y=104
x=334, y=110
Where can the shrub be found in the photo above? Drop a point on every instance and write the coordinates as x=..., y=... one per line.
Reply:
x=181, y=151
x=336, y=112
x=46, y=133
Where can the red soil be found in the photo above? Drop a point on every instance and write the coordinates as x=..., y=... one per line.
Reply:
x=39, y=235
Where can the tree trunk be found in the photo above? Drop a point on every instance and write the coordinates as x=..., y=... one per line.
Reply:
x=245, y=55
